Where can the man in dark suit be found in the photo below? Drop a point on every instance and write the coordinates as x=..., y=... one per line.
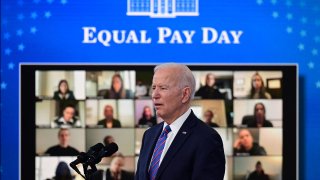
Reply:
x=181, y=147
x=109, y=121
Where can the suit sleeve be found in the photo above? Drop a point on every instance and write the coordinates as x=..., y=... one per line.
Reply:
x=209, y=160
x=137, y=177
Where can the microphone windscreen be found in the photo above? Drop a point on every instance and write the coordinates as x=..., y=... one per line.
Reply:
x=110, y=149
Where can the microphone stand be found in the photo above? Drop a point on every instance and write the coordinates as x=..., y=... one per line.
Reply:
x=88, y=172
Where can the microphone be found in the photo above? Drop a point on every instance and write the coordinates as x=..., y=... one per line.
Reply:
x=83, y=157
x=105, y=152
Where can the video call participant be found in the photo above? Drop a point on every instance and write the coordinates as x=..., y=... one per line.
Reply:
x=67, y=119
x=147, y=120
x=208, y=116
x=244, y=145
x=209, y=90
x=117, y=90
x=115, y=171
x=183, y=146
x=63, y=93
x=63, y=148
x=258, y=174
x=108, y=140
x=258, y=90
x=141, y=90
x=259, y=118
x=109, y=121
x=62, y=172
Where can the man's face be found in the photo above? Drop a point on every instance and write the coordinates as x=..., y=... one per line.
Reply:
x=210, y=80
x=108, y=112
x=167, y=96
x=246, y=139
x=64, y=137
x=68, y=113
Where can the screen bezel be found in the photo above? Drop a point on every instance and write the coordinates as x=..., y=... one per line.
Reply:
x=289, y=96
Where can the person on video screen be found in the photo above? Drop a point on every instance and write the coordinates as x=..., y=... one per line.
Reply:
x=244, y=145
x=63, y=148
x=147, y=120
x=109, y=121
x=141, y=90
x=182, y=146
x=258, y=174
x=115, y=171
x=209, y=90
x=259, y=117
x=258, y=90
x=63, y=172
x=208, y=116
x=63, y=93
x=67, y=119
x=117, y=90
x=108, y=140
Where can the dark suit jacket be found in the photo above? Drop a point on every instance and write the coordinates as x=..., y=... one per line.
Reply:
x=195, y=153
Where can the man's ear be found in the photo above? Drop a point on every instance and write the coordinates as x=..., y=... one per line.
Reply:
x=186, y=94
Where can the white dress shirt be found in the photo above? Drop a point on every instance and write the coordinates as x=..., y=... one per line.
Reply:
x=175, y=127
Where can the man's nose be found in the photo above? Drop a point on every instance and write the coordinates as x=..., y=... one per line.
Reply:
x=155, y=94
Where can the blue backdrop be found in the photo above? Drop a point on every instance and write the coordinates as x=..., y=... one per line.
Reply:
x=273, y=31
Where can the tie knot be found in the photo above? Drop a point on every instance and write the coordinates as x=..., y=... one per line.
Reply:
x=167, y=129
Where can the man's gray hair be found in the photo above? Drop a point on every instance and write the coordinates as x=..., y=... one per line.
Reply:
x=185, y=76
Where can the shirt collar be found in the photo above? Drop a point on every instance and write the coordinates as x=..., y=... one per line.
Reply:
x=176, y=125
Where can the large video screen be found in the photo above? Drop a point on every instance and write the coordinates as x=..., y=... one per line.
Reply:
x=66, y=109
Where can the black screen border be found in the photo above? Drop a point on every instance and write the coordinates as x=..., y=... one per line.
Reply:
x=290, y=110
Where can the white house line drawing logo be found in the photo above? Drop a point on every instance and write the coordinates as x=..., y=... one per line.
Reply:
x=163, y=8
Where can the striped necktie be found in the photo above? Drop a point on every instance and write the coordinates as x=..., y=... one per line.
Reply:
x=154, y=165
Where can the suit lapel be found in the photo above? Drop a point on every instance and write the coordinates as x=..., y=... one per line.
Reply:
x=181, y=137
x=151, y=144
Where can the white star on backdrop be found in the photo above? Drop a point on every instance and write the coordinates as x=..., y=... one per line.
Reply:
x=259, y=2
x=289, y=3
x=63, y=2
x=316, y=39
x=304, y=20
x=289, y=16
x=47, y=14
x=289, y=29
x=3, y=85
x=11, y=66
x=314, y=51
x=19, y=32
x=50, y=1
x=303, y=33
x=20, y=17
x=318, y=84
x=301, y=46
x=21, y=47
x=311, y=65
x=33, y=30
x=33, y=15
x=7, y=51
x=275, y=14
x=273, y=2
